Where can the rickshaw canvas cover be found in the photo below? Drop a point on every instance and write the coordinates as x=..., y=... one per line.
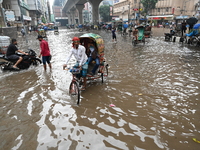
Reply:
x=98, y=39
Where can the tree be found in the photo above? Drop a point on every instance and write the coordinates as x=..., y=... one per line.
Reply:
x=148, y=5
x=104, y=12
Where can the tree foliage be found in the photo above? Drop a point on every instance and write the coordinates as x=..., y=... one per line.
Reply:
x=148, y=5
x=104, y=12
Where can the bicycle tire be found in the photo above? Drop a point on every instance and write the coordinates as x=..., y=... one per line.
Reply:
x=105, y=73
x=122, y=33
x=185, y=40
x=36, y=62
x=194, y=42
x=134, y=42
x=74, y=91
x=143, y=40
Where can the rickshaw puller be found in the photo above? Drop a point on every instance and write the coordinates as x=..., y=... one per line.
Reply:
x=79, y=53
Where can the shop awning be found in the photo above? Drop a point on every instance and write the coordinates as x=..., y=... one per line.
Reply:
x=182, y=17
x=159, y=17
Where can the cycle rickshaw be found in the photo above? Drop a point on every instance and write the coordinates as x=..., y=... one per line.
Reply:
x=102, y=71
x=42, y=32
x=140, y=36
x=56, y=30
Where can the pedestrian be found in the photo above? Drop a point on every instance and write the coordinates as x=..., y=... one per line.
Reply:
x=22, y=31
x=30, y=29
x=125, y=26
x=79, y=52
x=183, y=27
x=45, y=52
x=114, y=38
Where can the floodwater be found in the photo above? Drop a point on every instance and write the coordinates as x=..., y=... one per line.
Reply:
x=154, y=87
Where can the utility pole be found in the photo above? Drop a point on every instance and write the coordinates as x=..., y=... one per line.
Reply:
x=22, y=19
x=129, y=11
x=139, y=12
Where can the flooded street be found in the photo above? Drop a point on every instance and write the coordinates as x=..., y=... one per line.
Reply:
x=155, y=89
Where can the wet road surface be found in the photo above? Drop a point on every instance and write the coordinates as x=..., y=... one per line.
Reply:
x=154, y=87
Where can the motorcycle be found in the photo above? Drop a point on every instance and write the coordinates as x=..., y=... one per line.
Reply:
x=28, y=60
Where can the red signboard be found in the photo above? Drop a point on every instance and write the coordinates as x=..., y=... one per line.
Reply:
x=173, y=10
x=111, y=11
x=156, y=18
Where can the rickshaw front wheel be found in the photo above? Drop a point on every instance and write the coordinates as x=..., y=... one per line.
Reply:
x=74, y=92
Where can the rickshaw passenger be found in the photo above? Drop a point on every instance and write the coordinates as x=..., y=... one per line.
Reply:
x=79, y=53
x=93, y=56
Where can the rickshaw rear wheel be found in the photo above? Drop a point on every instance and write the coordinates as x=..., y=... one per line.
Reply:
x=105, y=73
x=74, y=91
x=134, y=42
x=194, y=42
x=143, y=40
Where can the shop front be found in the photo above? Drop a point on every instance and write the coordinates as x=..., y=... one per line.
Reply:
x=26, y=19
x=160, y=19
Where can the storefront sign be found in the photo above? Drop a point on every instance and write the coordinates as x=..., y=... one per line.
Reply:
x=182, y=17
x=27, y=18
x=10, y=16
x=166, y=17
x=156, y=18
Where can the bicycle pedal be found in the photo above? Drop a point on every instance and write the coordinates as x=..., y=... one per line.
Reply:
x=73, y=93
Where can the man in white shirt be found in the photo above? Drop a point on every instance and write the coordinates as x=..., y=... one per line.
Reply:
x=79, y=52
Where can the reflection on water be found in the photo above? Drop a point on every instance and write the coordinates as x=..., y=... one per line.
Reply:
x=154, y=87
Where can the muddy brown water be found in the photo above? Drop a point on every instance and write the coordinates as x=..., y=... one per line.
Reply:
x=154, y=87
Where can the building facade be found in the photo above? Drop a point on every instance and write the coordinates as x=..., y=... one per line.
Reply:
x=173, y=9
x=24, y=12
x=128, y=10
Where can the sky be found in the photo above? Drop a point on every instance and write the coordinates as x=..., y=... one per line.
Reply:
x=51, y=2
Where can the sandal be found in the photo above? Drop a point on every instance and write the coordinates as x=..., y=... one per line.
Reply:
x=16, y=68
x=83, y=88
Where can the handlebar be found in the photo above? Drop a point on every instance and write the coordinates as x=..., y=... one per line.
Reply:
x=73, y=70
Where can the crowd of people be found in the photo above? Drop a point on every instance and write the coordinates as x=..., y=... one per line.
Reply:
x=84, y=56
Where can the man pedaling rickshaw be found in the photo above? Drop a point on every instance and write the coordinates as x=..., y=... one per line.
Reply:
x=79, y=53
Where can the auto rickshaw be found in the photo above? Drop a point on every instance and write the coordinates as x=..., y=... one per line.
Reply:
x=102, y=71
